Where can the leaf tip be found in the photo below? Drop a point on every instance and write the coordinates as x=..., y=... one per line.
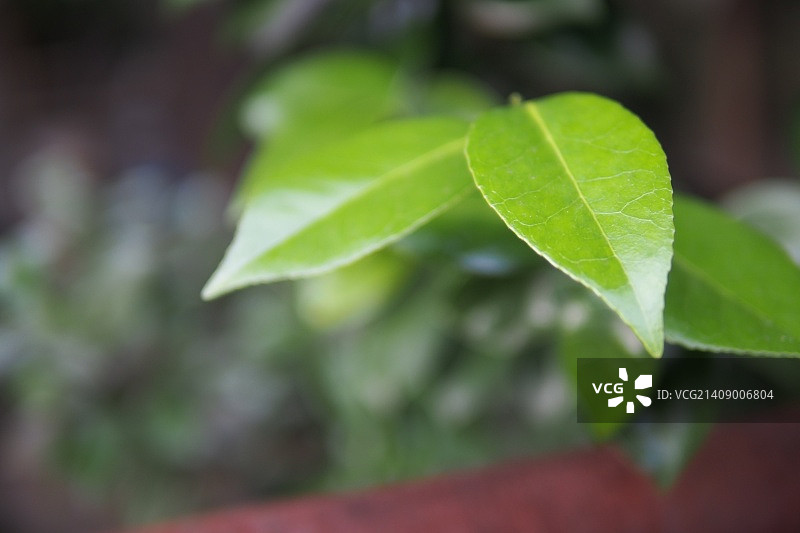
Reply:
x=216, y=286
x=655, y=349
x=210, y=291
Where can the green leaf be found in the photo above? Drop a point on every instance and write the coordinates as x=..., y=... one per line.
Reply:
x=315, y=101
x=351, y=295
x=386, y=365
x=586, y=185
x=345, y=201
x=731, y=288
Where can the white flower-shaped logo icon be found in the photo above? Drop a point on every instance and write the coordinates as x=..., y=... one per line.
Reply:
x=644, y=381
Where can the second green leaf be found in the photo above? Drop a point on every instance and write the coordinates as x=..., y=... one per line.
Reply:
x=585, y=183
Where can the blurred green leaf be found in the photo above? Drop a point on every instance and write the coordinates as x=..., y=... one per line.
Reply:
x=381, y=368
x=731, y=288
x=312, y=102
x=345, y=201
x=353, y=294
x=585, y=184
x=457, y=95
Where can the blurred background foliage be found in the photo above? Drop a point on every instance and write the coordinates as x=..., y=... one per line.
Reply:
x=125, y=399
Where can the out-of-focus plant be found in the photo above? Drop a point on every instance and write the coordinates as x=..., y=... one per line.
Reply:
x=578, y=178
x=153, y=403
x=575, y=176
x=452, y=346
x=146, y=400
x=156, y=404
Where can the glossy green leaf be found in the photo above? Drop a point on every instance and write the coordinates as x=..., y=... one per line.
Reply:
x=586, y=185
x=345, y=201
x=731, y=288
x=313, y=102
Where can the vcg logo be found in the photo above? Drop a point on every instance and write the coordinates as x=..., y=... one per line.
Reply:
x=644, y=381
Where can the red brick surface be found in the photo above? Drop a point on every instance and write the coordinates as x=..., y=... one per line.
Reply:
x=743, y=479
x=593, y=490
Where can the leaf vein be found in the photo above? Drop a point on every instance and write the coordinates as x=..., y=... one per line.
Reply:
x=533, y=112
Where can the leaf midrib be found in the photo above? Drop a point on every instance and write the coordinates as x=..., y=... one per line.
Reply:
x=533, y=111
